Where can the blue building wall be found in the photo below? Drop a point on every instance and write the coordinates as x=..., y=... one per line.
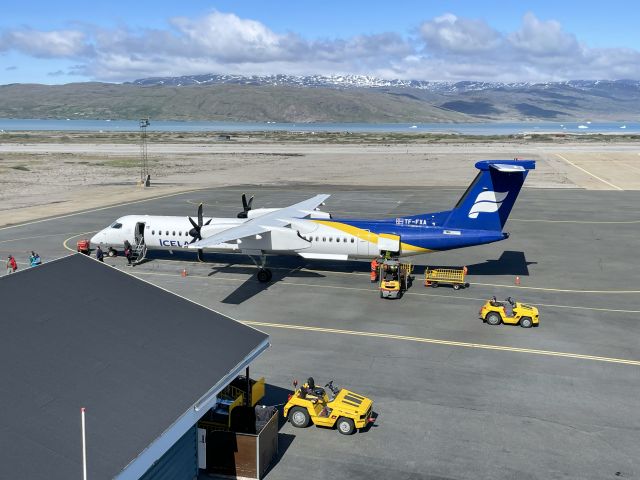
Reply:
x=179, y=463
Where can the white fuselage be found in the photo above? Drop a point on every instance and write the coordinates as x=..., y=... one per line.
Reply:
x=308, y=238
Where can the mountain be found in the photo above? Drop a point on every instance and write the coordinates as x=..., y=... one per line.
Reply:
x=346, y=98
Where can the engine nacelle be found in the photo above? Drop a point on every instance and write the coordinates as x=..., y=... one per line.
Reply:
x=258, y=212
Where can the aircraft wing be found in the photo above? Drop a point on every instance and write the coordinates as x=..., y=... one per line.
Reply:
x=263, y=223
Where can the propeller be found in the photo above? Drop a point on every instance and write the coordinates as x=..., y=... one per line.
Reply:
x=197, y=227
x=246, y=206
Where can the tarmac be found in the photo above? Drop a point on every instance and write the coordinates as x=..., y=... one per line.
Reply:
x=455, y=398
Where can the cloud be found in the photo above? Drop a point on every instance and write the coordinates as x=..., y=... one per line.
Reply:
x=451, y=34
x=543, y=39
x=447, y=47
x=11, y=67
x=49, y=44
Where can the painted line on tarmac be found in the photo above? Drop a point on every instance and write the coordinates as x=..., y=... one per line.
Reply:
x=371, y=291
x=64, y=244
x=42, y=236
x=482, y=346
x=73, y=214
x=587, y=222
x=588, y=173
x=563, y=290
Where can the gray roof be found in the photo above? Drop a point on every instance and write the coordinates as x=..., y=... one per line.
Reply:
x=79, y=333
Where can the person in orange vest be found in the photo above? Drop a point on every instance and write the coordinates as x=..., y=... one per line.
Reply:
x=374, y=270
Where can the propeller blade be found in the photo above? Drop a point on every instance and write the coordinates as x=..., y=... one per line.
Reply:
x=195, y=225
x=249, y=203
x=200, y=215
x=208, y=222
x=244, y=202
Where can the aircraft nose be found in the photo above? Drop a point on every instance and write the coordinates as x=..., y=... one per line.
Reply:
x=95, y=240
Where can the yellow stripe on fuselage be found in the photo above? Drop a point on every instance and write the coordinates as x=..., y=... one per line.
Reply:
x=366, y=235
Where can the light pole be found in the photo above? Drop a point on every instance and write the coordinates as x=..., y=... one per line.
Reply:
x=145, y=177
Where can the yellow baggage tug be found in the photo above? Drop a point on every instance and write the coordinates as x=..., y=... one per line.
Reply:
x=344, y=409
x=509, y=312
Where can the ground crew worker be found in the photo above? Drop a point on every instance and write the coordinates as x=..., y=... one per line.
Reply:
x=12, y=266
x=99, y=254
x=374, y=270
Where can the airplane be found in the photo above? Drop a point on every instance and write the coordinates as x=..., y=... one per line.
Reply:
x=306, y=231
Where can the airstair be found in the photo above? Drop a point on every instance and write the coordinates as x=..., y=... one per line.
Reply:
x=138, y=252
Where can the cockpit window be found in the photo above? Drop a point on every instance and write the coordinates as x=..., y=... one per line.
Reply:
x=116, y=225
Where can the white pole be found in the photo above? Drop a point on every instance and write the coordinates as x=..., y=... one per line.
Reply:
x=84, y=447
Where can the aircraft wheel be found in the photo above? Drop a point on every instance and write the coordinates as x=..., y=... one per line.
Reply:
x=264, y=275
x=493, y=319
x=299, y=417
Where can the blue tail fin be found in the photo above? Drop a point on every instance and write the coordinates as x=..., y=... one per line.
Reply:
x=489, y=199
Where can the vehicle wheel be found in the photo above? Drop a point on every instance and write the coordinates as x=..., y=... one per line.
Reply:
x=434, y=284
x=264, y=275
x=345, y=426
x=299, y=417
x=456, y=286
x=526, y=322
x=493, y=319
x=466, y=285
x=111, y=252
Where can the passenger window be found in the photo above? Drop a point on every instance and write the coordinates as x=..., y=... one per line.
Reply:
x=167, y=233
x=352, y=240
x=337, y=239
x=179, y=234
x=324, y=239
x=317, y=239
x=153, y=232
x=174, y=233
x=344, y=239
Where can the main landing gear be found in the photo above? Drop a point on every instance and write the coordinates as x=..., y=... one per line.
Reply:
x=264, y=274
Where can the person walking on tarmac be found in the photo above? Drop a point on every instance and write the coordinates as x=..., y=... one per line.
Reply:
x=12, y=266
x=127, y=252
x=99, y=254
x=34, y=259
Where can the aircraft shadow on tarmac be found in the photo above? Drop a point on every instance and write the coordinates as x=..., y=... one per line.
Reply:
x=509, y=263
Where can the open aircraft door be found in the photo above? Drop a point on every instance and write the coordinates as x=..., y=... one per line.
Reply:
x=388, y=242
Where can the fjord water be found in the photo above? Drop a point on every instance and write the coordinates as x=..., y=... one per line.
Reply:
x=485, y=128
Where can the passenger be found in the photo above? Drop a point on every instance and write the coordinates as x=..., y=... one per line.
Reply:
x=34, y=259
x=99, y=254
x=127, y=251
x=12, y=266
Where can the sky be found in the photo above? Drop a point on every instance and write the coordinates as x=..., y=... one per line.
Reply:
x=117, y=41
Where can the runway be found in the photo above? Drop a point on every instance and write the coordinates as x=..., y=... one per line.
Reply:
x=456, y=398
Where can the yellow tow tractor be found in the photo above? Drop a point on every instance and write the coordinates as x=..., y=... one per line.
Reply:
x=344, y=409
x=455, y=277
x=509, y=312
x=395, y=278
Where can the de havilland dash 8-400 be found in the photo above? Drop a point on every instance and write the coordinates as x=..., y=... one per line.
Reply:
x=304, y=230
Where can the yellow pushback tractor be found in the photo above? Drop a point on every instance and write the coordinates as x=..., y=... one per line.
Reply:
x=343, y=409
x=456, y=277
